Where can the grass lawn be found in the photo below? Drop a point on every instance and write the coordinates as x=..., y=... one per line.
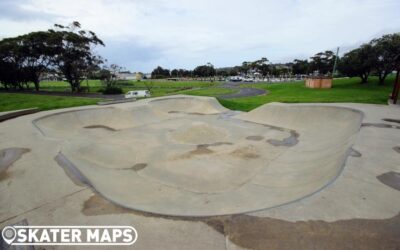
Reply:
x=343, y=90
x=23, y=101
x=159, y=88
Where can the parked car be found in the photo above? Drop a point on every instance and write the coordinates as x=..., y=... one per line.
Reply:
x=137, y=93
x=235, y=79
x=248, y=80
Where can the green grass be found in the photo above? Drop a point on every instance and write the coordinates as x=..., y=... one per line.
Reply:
x=343, y=90
x=159, y=88
x=23, y=101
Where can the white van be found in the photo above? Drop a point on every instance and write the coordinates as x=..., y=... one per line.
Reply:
x=137, y=93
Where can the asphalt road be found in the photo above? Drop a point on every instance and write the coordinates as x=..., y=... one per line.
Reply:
x=243, y=92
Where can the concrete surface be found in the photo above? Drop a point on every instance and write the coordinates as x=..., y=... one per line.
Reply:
x=280, y=177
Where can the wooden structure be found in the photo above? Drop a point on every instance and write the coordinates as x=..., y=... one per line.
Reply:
x=319, y=82
x=396, y=88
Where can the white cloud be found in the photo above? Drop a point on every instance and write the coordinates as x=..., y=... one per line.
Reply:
x=179, y=33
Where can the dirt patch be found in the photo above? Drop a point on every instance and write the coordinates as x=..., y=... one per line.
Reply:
x=255, y=138
x=8, y=156
x=253, y=232
x=287, y=142
x=391, y=179
x=102, y=127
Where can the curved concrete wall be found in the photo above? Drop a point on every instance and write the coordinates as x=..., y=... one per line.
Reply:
x=273, y=155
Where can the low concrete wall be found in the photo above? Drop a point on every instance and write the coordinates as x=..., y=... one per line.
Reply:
x=319, y=83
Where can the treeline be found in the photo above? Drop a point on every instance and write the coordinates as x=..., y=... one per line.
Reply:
x=379, y=57
x=64, y=51
x=200, y=71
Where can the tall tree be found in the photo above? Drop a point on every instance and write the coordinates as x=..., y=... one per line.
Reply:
x=358, y=62
x=74, y=56
x=300, y=67
x=207, y=70
x=323, y=62
x=387, y=53
x=159, y=73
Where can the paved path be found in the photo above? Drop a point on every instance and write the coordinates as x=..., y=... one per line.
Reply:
x=243, y=92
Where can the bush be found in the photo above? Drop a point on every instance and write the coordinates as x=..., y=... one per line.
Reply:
x=112, y=91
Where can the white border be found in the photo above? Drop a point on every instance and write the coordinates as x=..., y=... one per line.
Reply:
x=75, y=244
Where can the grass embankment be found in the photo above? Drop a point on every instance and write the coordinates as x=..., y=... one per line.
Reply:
x=343, y=90
x=158, y=88
x=23, y=101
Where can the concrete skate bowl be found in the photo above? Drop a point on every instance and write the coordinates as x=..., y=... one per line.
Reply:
x=189, y=156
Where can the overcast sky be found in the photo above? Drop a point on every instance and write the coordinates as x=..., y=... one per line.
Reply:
x=142, y=34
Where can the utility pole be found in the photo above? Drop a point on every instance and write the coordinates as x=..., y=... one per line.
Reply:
x=336, y=60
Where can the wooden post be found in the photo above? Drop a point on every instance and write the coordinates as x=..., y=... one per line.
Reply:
x=396, y=88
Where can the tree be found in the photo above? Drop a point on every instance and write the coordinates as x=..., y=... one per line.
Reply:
x=261, y=66
x=175, y=73
x=300, y=67
x=207, y=70
x=36, y=55
x=73, y=52
x=160, y=73
x=323, y=62
x=386, y=55
x=358, y=62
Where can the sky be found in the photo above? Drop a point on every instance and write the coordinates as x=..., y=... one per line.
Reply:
x=143, y=34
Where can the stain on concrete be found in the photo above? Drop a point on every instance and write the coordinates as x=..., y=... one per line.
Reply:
x=102, y=127
x=139, y=166
x=7, y=157
x=4, y=175
x=255, y=138
x=391, y=120
x=391, y=179
x=202, y=149
x=355, y=153
x=252, y=232
x=380, y=125
x=256, y=233
x=97, y=205
x=290, y=141
x=246, y=153
x=186, y=113
x=397, y=149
